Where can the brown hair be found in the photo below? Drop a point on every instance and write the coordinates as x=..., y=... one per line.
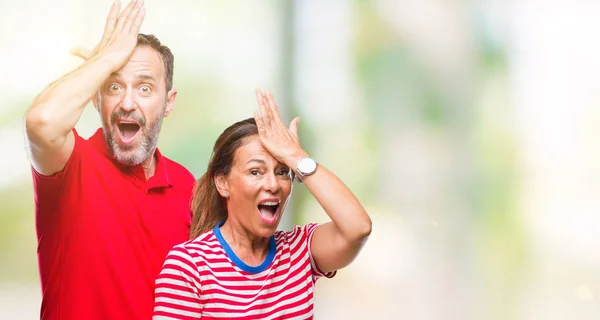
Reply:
x=208, y=206
x=149, y=40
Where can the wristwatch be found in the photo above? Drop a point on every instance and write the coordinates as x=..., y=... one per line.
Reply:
x=306, y=167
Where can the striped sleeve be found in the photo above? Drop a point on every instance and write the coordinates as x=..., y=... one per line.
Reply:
x=308, y=230
x=177, y=289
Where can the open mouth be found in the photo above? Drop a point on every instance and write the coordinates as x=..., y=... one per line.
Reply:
x=128, y=131
x=269, y=210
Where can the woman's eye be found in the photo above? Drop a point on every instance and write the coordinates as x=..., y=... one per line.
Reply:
x=114, y=87
x=254, y=172
x=284, y=172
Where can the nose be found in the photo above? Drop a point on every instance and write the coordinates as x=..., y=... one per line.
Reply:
x=128, y=103
x=271, y=183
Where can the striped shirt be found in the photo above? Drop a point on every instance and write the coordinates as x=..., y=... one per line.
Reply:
x=203, y=278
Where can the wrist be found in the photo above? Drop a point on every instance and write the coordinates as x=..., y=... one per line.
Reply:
x=106, y=62
x=305, y=166
x=292, y=159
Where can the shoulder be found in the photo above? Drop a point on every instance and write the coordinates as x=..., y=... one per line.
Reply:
x=178, y=172
x=193, y=254
x=96, y=140
x=80, y=147
x=298, y=230
x=300, y=233
x=205, y=244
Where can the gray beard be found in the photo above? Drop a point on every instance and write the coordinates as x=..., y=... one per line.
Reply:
x=135, y=154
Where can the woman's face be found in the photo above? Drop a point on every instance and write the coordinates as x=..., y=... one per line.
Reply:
x=258, y=186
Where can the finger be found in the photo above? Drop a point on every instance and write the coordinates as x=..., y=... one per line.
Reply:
x=262, y=105
x=137, y=23
x=273, y=106
x=82, y=53
x=265, y=103
x=259, y=123
x=267, y=113
x=132, y=17
x=122, y=18
x=111, y=20
x=294, y=128
x=259, y=101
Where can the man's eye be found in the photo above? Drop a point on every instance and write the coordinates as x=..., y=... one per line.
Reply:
x=145, y=89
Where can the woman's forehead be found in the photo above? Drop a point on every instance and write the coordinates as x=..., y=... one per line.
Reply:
x=253, y=150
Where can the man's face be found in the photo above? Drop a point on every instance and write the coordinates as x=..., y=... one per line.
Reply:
x=132, y=104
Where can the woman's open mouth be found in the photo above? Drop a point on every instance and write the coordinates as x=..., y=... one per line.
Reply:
x=269, y=210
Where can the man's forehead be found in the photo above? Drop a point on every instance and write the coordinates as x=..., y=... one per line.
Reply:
x=145, y=53
x=144, y=62
x=141, y=71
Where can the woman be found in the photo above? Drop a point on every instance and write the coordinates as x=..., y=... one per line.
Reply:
x=237, y=264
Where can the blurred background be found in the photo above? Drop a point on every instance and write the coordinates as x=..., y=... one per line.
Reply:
x=468, y=129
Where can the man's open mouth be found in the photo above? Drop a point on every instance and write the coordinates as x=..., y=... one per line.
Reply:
x=128, y=131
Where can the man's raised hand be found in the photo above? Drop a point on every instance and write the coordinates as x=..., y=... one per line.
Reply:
x=120, y=34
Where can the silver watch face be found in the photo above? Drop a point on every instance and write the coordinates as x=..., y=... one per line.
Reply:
x=307, y=166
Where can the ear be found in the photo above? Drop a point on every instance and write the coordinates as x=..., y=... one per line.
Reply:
x=222, y=185
x=96, y=100
x=171, y=97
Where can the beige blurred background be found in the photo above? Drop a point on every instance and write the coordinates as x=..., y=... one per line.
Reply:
x=468, y=129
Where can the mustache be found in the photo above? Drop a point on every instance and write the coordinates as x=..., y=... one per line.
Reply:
x=131, y=115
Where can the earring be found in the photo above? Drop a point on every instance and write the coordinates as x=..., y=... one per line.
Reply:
x=225, y=194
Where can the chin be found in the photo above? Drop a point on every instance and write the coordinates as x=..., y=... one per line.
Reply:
x=131, y=157
x=130, y=154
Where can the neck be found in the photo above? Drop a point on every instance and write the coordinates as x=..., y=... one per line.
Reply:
x=248, y=247
x=149, y=165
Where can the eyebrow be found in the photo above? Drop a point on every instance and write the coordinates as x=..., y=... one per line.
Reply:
x=143, y=76
x=256, y=160
x=279, y=164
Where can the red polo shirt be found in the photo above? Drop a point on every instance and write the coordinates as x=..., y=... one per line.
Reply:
x=104, y=232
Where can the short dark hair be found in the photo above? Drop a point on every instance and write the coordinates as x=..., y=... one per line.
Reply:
x=149, y=40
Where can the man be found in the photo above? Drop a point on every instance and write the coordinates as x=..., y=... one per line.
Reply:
x=108, y=209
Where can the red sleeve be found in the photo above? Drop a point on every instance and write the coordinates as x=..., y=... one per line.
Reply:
x=47, y=189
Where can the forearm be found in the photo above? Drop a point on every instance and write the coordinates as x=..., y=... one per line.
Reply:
x=344, y=209
x=334, y=244
x=57, y=109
